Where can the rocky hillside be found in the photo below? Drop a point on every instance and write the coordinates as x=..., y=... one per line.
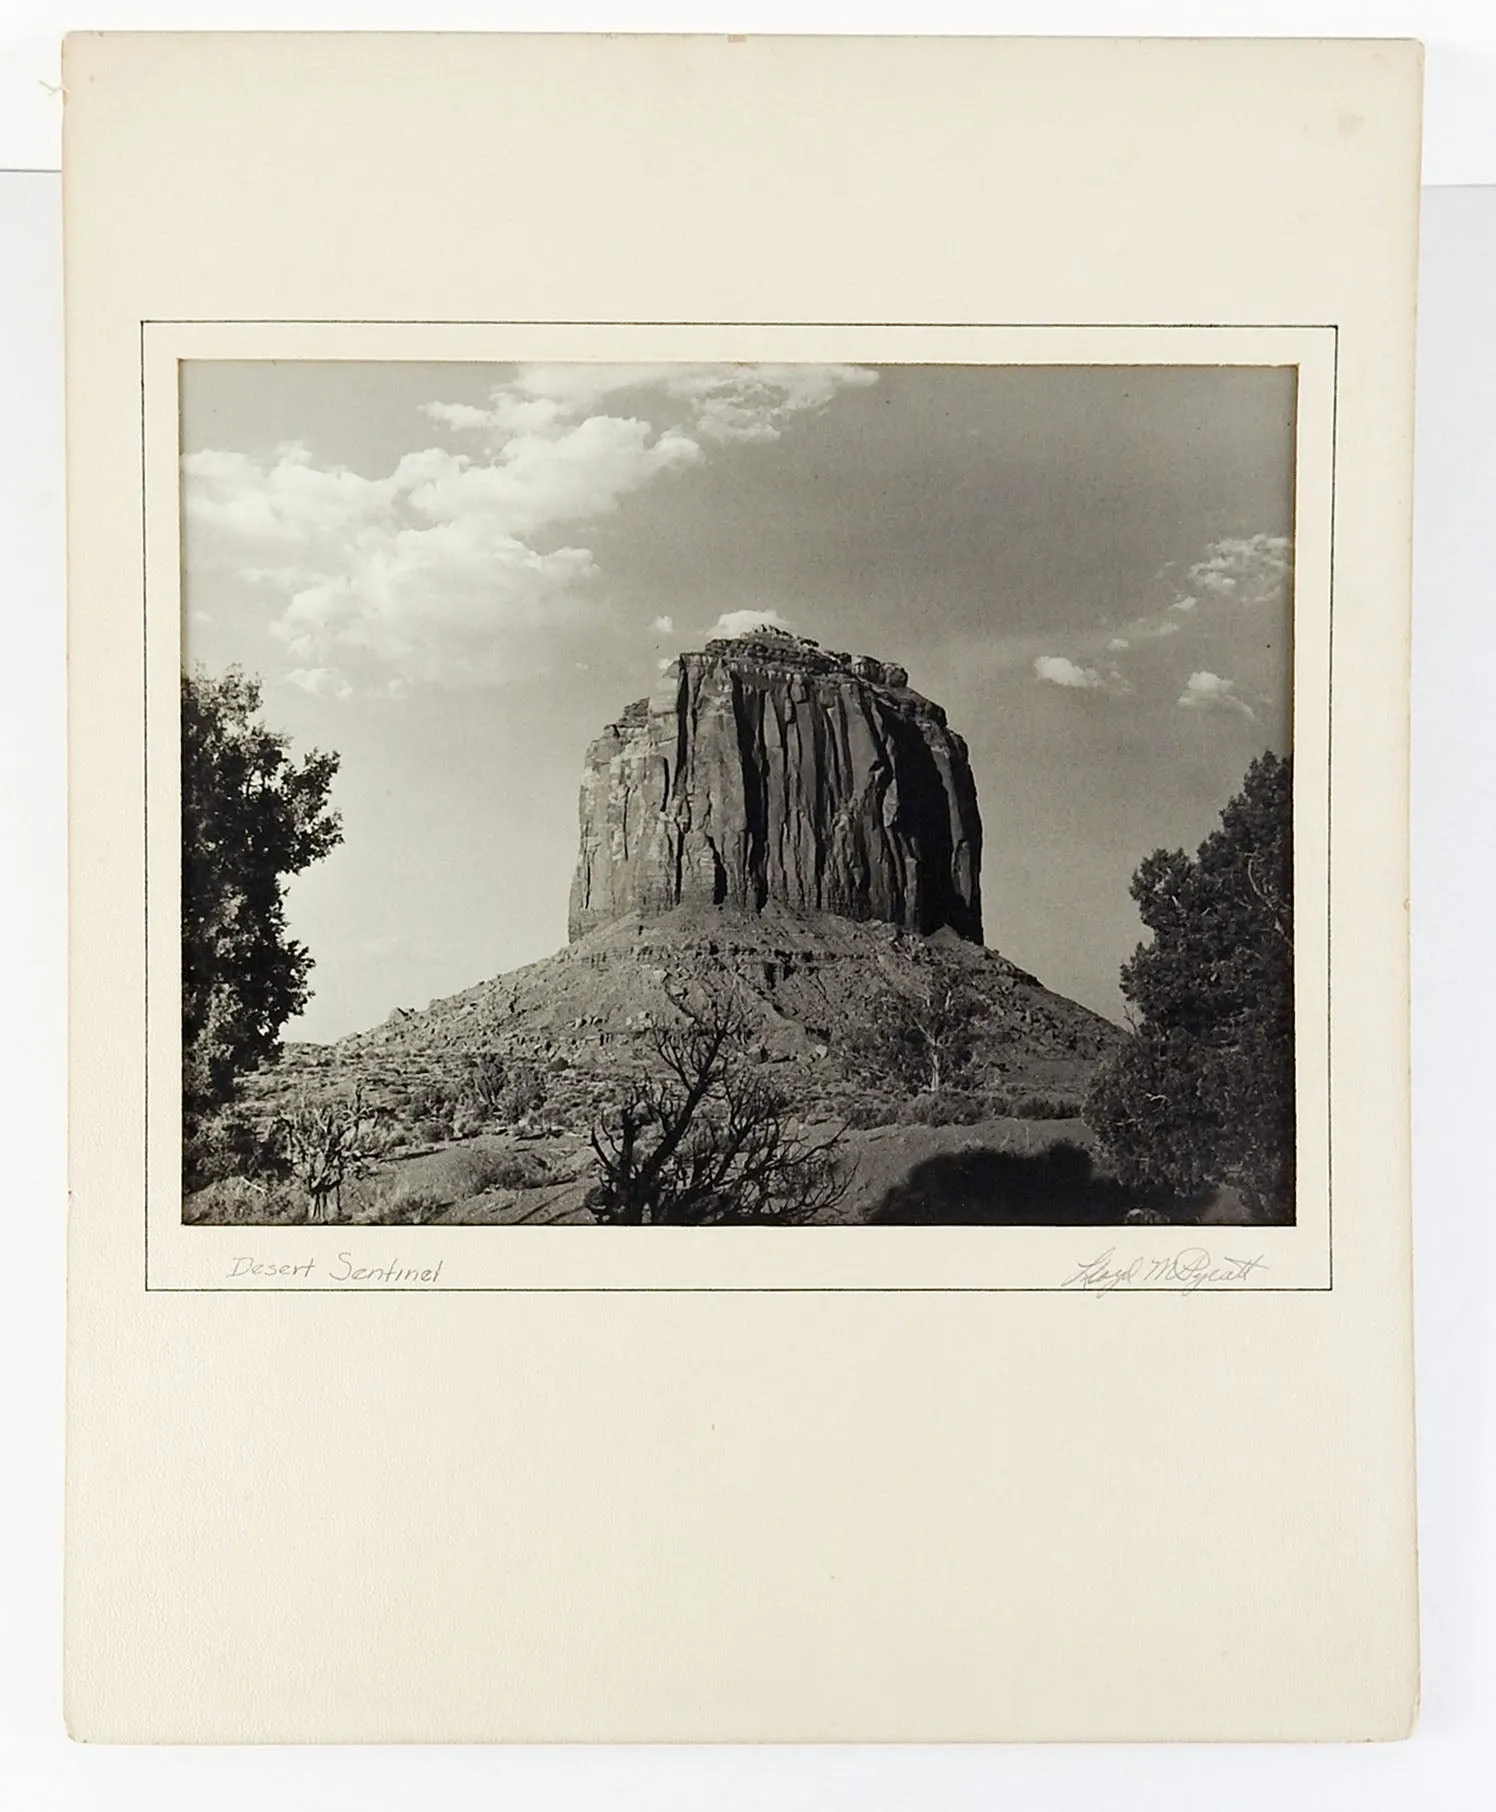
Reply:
x=816, y=989
x=768, y=772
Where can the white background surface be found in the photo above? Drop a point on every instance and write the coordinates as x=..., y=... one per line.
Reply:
x=1460, y=37
x=1452, y=1761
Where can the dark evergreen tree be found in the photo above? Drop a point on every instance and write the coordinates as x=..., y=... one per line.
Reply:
x=251, y=818
x=1203, y=1093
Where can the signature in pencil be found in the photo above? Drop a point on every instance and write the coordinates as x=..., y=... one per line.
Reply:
x=1191, y=1268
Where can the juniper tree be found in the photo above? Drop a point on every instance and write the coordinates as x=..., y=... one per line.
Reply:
x=1203, y=1093
x=251, y=818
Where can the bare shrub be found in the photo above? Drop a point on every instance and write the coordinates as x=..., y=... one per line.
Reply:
x=498, y=1091
x=327, y=1141
x=485, y=1079
x=947, y=1107
x=1045, y=1107
x=410, y=1204
x=868, y=1111
x=518, y=1170
x=429, y=1108
x=458, y=1175
x=708, y=1139
x=523, y=1093
x=921, y=1042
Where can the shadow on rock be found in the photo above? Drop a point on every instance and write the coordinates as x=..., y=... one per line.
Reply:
x=978, y=1187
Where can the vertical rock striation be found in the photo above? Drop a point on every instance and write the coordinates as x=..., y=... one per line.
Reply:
x=768, y=772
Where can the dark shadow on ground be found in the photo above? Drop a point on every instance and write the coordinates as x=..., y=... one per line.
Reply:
x=1059, y=1187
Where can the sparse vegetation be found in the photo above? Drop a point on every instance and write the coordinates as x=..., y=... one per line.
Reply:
x=239, y=1200
x=484, y=1105
x=862, y=1112
x=473, y=1172
x=947, y=1107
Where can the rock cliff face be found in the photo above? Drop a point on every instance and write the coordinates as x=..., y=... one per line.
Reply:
x=767, y=772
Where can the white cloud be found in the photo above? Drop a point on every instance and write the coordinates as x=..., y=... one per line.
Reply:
x=1209, y=691
x=1250, y=571
x=733, y=624
x=722, y=403
x=446, y=569
x=452, y=605
x=752, y=402
x=456, y=415
x=538, y=480
x=665, y=625
x=1060, y=671
x=1245, y=573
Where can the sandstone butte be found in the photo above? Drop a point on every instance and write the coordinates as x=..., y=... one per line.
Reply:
x=765, y=773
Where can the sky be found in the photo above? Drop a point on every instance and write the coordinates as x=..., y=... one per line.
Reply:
x=455, y=575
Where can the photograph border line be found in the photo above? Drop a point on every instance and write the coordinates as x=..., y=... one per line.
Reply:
x=1147, y=1290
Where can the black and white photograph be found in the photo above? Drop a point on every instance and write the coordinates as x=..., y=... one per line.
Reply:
x=803, y=645
x=737, y=794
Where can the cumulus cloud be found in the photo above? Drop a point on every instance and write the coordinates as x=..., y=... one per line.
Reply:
x=450, y=568
x=1248, y=572
x=1060, y=671
x=1210, y=692
x=733, y=624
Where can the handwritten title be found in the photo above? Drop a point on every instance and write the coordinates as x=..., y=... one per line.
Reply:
x=342, y=1271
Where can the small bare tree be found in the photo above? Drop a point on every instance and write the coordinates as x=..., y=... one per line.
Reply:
x=504, y=1088
x=707, y=1139
x=327, y=1140
x=486, y=1076
x=923, y=1042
